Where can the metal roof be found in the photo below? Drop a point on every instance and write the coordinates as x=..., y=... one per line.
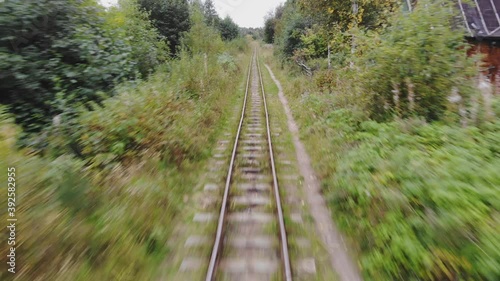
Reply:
x=482, y=18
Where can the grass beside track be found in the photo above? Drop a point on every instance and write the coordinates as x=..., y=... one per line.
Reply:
x=109, y=213
x=418, y=200
x=184, y=225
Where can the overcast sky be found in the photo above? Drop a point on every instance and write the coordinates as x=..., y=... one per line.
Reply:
x=246, y=13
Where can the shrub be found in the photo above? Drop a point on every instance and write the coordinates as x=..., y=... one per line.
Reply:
x=420, y=203
x=416, y=199
x=50, y=47
x=106, y=214
x=415, y=65
x=148, y=48
x=81, y=224
x=169, y=116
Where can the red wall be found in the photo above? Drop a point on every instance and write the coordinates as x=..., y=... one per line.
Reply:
x=491, y=60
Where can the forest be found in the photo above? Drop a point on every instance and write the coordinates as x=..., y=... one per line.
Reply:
x=109, y=114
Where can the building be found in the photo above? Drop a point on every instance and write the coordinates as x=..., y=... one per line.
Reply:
x=482, y=21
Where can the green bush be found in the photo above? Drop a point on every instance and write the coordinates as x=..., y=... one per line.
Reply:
x=412, y=68
x=417, y=200
x=107, y=214
x=52, y=199
x=148, y=48
x=420, y=200
x=168, y=116
x=79, y=224
x=50, y=47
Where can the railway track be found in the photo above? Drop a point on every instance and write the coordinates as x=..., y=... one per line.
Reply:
x=251, y=242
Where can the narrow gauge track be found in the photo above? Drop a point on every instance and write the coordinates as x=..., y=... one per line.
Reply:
x=251, y=242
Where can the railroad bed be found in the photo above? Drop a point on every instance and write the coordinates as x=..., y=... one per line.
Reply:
x=250, y=242
x=232, y=227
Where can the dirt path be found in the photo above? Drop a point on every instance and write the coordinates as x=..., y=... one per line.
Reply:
x=334, y=243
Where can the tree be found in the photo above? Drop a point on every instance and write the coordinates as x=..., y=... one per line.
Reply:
x=269, y=25
x=229, y=29
x=170, y=17
x=290, y=24
x=55, y=53
x=149, y=48
x=201, y=39
x=211, y=16
x=370, y=14
x=255, y=33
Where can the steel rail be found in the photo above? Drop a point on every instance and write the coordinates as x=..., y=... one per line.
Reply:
x=284, y=241
x=220, y=227
x=223, y=211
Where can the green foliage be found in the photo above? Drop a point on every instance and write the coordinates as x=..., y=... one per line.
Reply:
x=371, y=14
x=107, y=215
x=269, y=26
x=254, y=33
x=48, y=47
x=211, y=16
x=238, y=46
x=304, y=29
x=314, y=43
x=78, y=226
x=123, y=129
x=229, y=30
x=202, y=38
x=227, y=62
x=148, y=48
x=421, y=200
x=290, y=30
x=410, y=66
x=169, y=116
x=41, y=183
x=417, y=200
x=422, y=51
x=170, y=17
x=272, y=21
